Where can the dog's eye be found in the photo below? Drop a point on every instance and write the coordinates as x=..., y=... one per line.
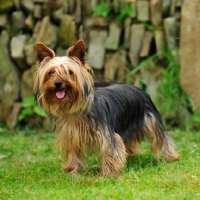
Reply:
x=51, y=73
x=71, y=72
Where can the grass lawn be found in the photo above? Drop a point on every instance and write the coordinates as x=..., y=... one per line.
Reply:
x=32, y=170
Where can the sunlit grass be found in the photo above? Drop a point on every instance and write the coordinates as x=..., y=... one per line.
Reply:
x=32, y=170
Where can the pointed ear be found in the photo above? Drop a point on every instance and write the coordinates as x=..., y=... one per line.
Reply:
x=43, y=51
x=78, y=50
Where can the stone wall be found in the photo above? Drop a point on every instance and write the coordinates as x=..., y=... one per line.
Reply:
x=113, y=46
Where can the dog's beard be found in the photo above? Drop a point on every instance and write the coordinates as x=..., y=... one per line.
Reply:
x=59, y=101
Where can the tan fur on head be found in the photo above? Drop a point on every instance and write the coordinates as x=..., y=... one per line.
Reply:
x=72, y=71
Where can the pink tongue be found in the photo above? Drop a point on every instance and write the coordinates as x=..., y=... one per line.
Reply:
x=60, y=94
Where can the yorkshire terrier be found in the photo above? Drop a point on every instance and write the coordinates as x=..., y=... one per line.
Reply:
x=113, y=117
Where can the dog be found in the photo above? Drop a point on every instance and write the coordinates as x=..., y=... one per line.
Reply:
x=112, y=117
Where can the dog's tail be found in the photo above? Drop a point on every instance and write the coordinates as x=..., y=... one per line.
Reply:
x=161, y=143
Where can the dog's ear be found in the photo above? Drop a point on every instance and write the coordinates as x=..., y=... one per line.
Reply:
x=78, y=50
x=43, y=51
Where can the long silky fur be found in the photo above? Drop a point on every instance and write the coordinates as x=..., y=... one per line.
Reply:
x=111, y=116
x=122, y=109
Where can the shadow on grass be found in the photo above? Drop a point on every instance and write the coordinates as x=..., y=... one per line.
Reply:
x=22, y=131
x=93, y=164
x=141, y=161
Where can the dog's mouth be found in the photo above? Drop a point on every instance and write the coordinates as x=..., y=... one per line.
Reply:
x=60, y=94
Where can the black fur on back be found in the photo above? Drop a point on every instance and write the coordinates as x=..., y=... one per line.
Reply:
x=121, y=108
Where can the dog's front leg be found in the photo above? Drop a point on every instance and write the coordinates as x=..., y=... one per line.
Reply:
x=113, y=160
x=73, y=161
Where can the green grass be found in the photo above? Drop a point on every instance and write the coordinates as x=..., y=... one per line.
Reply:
x=32, y=170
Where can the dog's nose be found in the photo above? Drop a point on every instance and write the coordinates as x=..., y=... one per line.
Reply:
x=58, y=84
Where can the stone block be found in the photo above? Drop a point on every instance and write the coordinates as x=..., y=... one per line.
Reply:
x=17, y=50
x=156, y=12
x=143, y=10
x=136, y=38
x=115, y=67
x=57, y=15
x=146, y=44
x=111, y=66
x=29, y=22
x=87, y=7
x=3, y=20
x=77, y=13
x=133, y=5
x=159, y=40
x=37, y=11
x=47, y=33
x=150, y=75
x=3, y=156
x=171, y=34
x=51, y=6
x=26, y=85
x=95, y=22
x=6, y=64
x=172, y=7
x=96, y=49
x=29, y=50
x=36, y=29
x=6, y=5
x=127, y=31
x=166, y=7
x=17, y=19
x=113, y=38
x=12, y=118
x=9, y=79
x=28, y=5
x=67, y=30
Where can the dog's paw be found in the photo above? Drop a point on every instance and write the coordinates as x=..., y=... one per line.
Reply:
x=70, y=169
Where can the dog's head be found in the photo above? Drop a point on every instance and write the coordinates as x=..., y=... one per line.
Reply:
x=63, y=85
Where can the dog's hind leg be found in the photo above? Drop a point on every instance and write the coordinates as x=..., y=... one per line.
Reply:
x=131, y=148
x=113, y=158
x=161, y=142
